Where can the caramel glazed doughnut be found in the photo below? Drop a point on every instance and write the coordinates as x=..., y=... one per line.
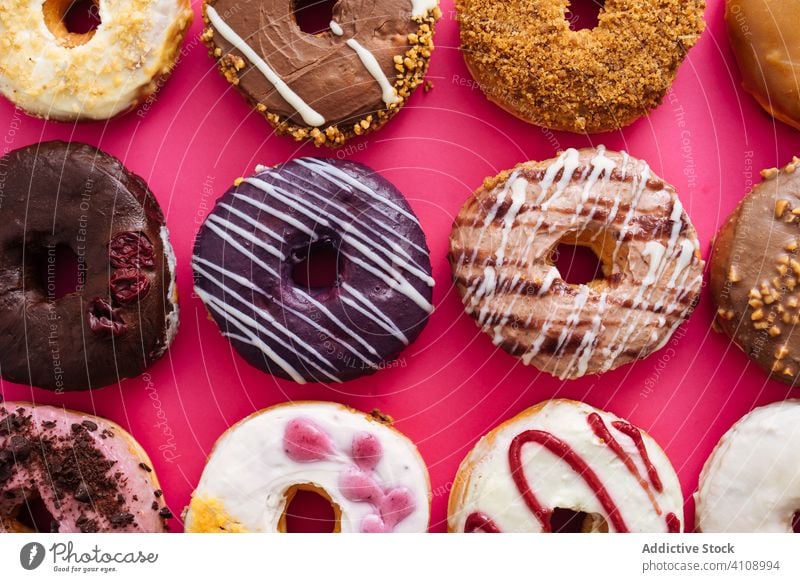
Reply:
x=504, y=236
x=566, y=455
x=88, y=473
x=123, y=314
x=755, y=270
x=528, y=61
x=324, y=87
x=96, y=75
x=751, y=481
x=766, y=42
x=373, y=475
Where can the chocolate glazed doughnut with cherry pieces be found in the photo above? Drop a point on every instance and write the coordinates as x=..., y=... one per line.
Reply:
x=505, y=236
x=123, y=313
x=330, y=86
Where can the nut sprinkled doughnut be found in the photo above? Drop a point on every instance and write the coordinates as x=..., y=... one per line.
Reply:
x=751, y=481
x=123, y=314
x=528, y=61
x=96, y=75
x=378, y=301
x=766, y=42
x=330, y=86
x=501, y=251
x=755, y=274
x=559, y=456
x=373, y=475
x=88, y=473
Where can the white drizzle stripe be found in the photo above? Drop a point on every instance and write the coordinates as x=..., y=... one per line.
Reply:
x=239, y=247
x=277, y=214
x=226, y=309
x=388, y=93
x=393, y=329
x=253, y=287
x=340, y=178
x=335, y=28
x=308, y=114
x=249, y=236
x=396, y=281
x=331, y=202
x=349, y=331
x=252, y=221
x=254, y=341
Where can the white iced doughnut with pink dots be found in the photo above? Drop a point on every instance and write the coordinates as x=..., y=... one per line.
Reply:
x=372, y=474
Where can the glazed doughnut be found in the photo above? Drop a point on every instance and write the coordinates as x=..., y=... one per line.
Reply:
x=751, y=481
x=501, y=251
x=528, y=61
x=262, y=228
x=766, y=42
x=755, y=271
x=330, y=86
x=96, y=75
x=123, y=314
x=566, y=455
x=372, y=474
x=88, y=473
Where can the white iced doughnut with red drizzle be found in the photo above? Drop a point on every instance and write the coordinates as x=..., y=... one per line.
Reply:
x=373, y=475
x=54, y=73
x=86, y=472
x=505, y=236
x=563, y=455
x=751, y=481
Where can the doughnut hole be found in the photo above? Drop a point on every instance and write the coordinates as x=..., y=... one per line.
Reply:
x=583, y=258
x=59, y=271
x=72, y=22
x=317, y=265
x=570, y=521
x=583, y=14
x=796, y=521
x=309, y=509
x=33, y=516
x=313, y=16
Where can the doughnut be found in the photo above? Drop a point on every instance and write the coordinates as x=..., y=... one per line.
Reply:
x=751, y=481
x=565, y=459
x=372, y=475
x=755, y=269
x=501, y=250
x=268, y=224
x=123, y=314
x=325, y=87
x=766, y=43
x=86, y=472
x=91, y=76
x=526, y=59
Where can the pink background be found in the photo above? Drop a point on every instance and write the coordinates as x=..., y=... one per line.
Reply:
x=709, y=139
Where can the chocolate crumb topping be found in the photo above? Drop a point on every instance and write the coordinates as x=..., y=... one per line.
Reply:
x=90, y=426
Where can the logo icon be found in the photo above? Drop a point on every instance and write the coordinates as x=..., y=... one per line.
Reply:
x=31, y=555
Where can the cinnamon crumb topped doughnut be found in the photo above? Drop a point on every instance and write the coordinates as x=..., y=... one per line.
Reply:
x=751, y=481
x=529, y=62
x=330, y=86
x=755, y=274
x=564, y=465
x=53, y=73
x=501, y=251
x=88, y=473
x=372, y=474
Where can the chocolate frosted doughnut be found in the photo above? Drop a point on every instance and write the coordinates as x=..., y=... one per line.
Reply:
x=259, y=230
x=85, y=471
x=755, y=274
x=324, y=87
x=501, y=251
x=124, y=314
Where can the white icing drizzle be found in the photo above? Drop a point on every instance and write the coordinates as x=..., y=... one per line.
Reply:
x=420, y=7
x=335, y=28
x=308, y=114
x=373, y=67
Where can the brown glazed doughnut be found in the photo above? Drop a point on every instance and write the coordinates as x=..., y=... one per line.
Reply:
x=755, y=270
x=765, y=37
x=501, y=251
x=326, y=87
x=528, y=61
x=123, y=314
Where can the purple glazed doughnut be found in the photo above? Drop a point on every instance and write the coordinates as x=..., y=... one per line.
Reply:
x=375, y=303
